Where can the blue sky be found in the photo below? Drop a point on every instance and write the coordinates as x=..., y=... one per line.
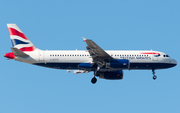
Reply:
x=113, y=25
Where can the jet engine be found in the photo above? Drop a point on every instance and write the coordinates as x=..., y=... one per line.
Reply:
x=114, y=75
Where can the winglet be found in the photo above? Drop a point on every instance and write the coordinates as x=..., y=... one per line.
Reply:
x=84, y=39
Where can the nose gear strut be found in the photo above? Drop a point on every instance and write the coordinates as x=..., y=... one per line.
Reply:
x=154, y=76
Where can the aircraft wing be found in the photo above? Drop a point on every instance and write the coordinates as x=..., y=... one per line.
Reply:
x=96, y=52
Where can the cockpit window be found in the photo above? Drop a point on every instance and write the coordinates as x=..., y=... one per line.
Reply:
x=166, y=55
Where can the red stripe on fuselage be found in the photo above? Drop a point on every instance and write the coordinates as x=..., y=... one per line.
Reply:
x=150, y=53
x=13, y=31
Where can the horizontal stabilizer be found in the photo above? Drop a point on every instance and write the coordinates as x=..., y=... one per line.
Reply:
x=18, y=52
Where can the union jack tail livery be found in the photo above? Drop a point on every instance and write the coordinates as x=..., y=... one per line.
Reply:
x=19, y=40
x=20, y=43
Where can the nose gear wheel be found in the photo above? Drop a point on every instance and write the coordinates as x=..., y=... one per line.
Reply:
x=154, y=77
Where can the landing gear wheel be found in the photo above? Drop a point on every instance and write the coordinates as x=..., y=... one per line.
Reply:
x=94, y=80
x=154, y=77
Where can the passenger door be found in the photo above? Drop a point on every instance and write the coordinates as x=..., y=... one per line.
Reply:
x=41, y=55
x=155, y=58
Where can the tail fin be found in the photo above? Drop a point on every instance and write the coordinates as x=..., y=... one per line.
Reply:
x=19, y=40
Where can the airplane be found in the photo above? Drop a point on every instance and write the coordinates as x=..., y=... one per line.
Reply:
x=106, y=64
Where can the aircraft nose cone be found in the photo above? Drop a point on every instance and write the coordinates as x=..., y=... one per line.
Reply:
x=174, y=62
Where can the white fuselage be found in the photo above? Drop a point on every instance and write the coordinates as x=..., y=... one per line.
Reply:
x=71, y=59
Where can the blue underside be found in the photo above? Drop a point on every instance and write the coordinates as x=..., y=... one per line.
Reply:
x=132, y=65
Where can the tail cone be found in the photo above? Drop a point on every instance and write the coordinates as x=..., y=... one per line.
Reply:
x=9, y=55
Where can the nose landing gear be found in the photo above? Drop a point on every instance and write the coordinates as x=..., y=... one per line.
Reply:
x=154, y=76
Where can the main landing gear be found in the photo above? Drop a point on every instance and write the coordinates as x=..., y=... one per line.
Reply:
x=94, y=80
x=154, y=76
x=96, y=73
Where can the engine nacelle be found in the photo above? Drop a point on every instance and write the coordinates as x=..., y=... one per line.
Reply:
x=115, y=75
x=121, y=63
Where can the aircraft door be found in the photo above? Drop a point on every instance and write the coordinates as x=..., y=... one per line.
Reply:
x=41, y=55
x=155, y=58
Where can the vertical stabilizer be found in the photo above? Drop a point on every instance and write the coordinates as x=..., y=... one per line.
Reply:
x=19, y=39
